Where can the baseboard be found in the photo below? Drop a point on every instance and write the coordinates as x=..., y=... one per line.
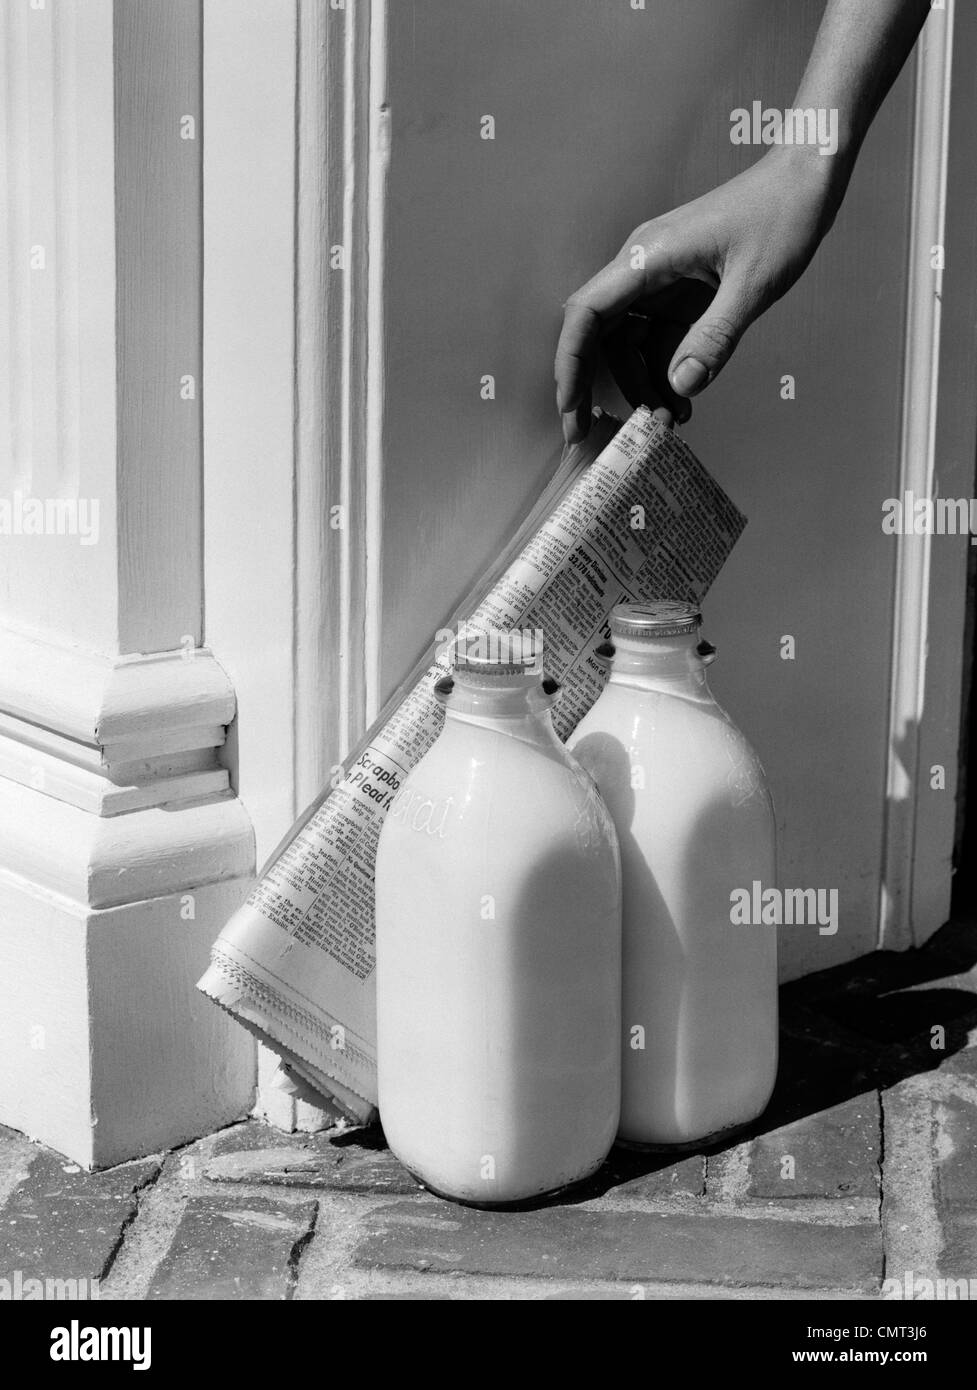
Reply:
x=122, y=853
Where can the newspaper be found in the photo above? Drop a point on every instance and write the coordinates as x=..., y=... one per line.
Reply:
x=631, y=516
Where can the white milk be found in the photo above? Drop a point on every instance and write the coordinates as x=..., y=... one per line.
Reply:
x=694, y=821
x=498, y=952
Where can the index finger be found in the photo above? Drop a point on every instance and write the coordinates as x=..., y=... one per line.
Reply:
x=588, y=313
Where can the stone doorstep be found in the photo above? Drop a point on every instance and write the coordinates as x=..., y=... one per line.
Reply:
x=229, y=1246
x=249, y=1245
x=958, y=1256
x=482, y=1290
x=359, y=1161
x=237, y=1238
x=835, y=1153
x=632, y=1247
x=355, y=1162
x=401, y=1286
x=955, y=1114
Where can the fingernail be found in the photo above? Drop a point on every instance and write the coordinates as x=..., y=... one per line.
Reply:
x=689, y=376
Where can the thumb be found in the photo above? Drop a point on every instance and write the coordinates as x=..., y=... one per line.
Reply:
x=712, y=339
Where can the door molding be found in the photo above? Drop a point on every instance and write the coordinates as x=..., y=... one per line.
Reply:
x=294, y=193
x=936, y=457
x=340, y=187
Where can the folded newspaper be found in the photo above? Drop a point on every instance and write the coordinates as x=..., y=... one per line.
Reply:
x=631, y=516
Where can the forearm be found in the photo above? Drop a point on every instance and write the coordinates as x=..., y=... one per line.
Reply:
x=747, y=240
x=859, y=51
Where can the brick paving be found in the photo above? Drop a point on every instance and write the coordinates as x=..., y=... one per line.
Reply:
x=863, y=1168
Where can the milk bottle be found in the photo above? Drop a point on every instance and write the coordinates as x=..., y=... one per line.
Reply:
x=695, y=822
x=498, y=946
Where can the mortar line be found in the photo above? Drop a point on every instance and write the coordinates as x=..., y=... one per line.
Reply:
x=292, y=1267
x=882, y=1192
x=146, y=1185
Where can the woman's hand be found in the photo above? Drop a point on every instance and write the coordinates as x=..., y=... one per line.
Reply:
x=671, y=307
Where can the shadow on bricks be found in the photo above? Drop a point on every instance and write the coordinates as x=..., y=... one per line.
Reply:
x=845, y=1033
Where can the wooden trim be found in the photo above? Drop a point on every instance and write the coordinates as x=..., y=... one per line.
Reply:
x=338, y=204
x=322, y=657
x=336, y=344
x=109, y=1051
x=101, y=738
x=58, y=396
x=377, y=231
x=159, y=271
x=132, y=786
x=912, y=632
x=955, y=452
x=104, y=702
x=111, y=861
x=121, y=850
x=253, y=427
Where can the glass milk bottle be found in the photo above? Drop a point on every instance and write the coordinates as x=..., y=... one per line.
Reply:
x=498, y=947
x=695, y=822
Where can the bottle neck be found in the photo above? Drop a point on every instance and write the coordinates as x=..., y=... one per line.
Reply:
x=518, y=706
x=669, y=664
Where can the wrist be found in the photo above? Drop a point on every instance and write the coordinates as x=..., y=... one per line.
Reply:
x=803, y=168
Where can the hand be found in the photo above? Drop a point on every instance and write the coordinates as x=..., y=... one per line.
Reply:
x=669, y=310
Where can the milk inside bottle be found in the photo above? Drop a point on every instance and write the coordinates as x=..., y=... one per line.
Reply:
x=498, y=945
x=695, y=822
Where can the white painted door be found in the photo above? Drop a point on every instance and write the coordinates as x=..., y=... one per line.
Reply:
x=604, y=115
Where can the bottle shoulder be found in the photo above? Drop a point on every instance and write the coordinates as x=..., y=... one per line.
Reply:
x=654, y=739
x=485, y=775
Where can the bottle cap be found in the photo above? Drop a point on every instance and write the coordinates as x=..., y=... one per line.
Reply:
x=665, y=618
x=497, y=653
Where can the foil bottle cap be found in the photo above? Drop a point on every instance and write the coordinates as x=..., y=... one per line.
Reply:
x=663, y=618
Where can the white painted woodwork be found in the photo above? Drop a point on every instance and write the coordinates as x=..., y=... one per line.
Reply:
x=118, y=863
x=57, y=352
x=937, y=458
x=122, y=847
x=280, y=445
x=108, y=1049
x=158, y=314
